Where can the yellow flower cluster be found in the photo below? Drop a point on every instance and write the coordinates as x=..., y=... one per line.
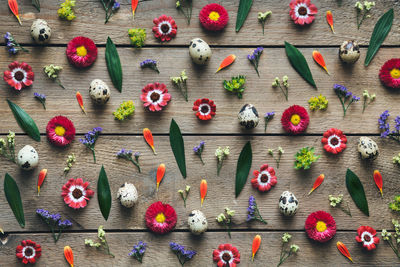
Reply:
x=137, y=36
x=65, y=11
x=319, y=102
x=124, y=110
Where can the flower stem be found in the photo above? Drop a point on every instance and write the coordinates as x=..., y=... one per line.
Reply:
x=201, y=159
x=59, y=83
x=344, y=109
x=362, y=19
x=219, y=166
x=265, y=127
x=135, y=163
x=228, y=226
x=262, y=25
x=283, y=91
x=94, y=154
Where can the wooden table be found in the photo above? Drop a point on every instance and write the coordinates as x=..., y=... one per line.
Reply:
x=126, y=227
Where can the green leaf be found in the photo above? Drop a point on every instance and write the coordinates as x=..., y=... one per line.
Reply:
x=356, y=190
x=36, y=3
x=14, y=199
x=104, y=194
x=299, y=63
x=25, y=121
x=114, y=64
x=177, y=146
x=243, y=11
x=381, y=30
x=243, y=168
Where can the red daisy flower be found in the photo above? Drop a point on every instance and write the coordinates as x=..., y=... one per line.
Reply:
x=367, y=236
x=160, y=218
x=390, y=73
x=28, y=251
x=264, y=179
x=155, y=96
x=60, y=131
x=81, y=52
x=226, y=256
x=320, y=226
x=205, y=109
x=334, y=141
x=76, y=193
x=302, y=11
x=19, y=76
x=165, y=28
x=213, y=17
x=295, y=119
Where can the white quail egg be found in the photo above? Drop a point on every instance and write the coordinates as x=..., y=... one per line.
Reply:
x=99, y=91
x=40, y=31
x=349, y=51
x=248, y=116
x=288, y=203
x=27, y=158
x=368, y=148
x=200, y=51
x=197, y=222
x=127, y=195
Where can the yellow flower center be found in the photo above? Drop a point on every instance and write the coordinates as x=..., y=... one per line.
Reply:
x=213, y=15
x=321, y=226
x=160, y=218
x=295, y=119
x=81, y=51
x=395, y=73
x=59, y=130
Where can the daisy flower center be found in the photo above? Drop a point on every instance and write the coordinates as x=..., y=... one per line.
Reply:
x=19, y=76
x=155, y=96
x=205, y=109
x=165, y=28
x=295, y=119
x=264, y=178
x=321, y=226
x=59, y=130
x=28, y=252
x=395, y=73
x=367, y=238
x=226, y=257
x=302, y=11
x=214, y=16
x=81, y=51
x=77, y=193
x=160, y=218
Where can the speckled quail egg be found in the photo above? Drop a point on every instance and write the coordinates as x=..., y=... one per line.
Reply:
x=27, y=158
x=197, y=222
x=99, y=92
x=248, y=116
x=199, y=51
x=40, y=31
x=368, y=148
x=349, y=51
x=127, y=195
x=288, y=203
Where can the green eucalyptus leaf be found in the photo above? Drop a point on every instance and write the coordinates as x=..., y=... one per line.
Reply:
x=299, y=63
x=243, y=167
x=36, y=4
x=25, y=121
x=13, y=197
x=104, y=194
x=381, y=30
x=243, y=11
x=177, y=146
x=356, y=191
x=114, y=64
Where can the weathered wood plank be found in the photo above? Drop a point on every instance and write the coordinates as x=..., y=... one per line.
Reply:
x=221, y=189
x=90, y=22
x=202, y=83
x=159, y=253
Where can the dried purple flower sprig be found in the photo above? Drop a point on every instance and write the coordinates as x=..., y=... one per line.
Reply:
x=12, y=46
x=253, y=212
x=345, y=97
x=54, y=222
x=149, y=63
x=255, y=58
x=127, y=154
x=41, y=98
x=385, y=127
x=199, y=149
x=138, y=251
x=267, y=117
x=90, y=140
x=182, y=254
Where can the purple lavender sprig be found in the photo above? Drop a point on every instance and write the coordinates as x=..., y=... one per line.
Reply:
x=12, y=46
x=110, y=7
x=127, y=154
x=41, y=98
x=253, y=212
x=149, y=63
x=385, y=127
x=199, y=149
x=54, y=222
x=182, y=254
x=267, y=117
x=138, y=251
x=90, y=140
x=255, y=58
x=344, y=96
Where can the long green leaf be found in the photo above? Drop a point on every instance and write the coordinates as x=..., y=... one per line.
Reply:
x=104, y=194
x=114, y=64
x=14, y=199
x=25, y=121
x=177, y=146
x=36, y=4
x=299, y=63
x=381, y=30
x=356, y=190
x=243, y=11
x=243, y=167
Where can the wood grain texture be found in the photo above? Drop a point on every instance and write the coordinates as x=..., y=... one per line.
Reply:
x=90, y=23
x=159, y=253
x=220, y=189
x=202, y=83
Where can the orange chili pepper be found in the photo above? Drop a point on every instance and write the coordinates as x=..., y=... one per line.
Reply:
x=160, y=174
x=80, y=101
x=134, y=6
x=317, y=183
x=148, y=136
x=255, y=246
x=320, y=60
x=203, y=190
x=42, y=175
x=378, y=181
x=226, y=62
x=69, y=255
x=13, y=5
x=343, y=249
x=329, y=19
